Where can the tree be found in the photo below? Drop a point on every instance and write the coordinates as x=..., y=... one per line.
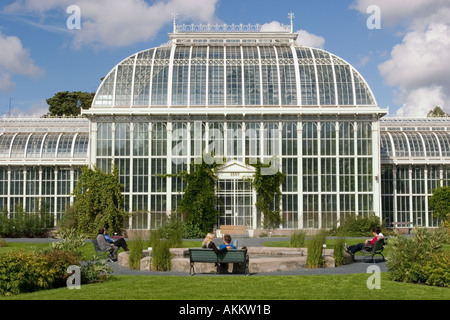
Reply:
x=198, y=204
x=69, y=103
x=439, y=202
x=98, y=202
x=437, y=112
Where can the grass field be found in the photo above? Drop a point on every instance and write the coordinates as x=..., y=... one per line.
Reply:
x=230, y=287
x=311, y=287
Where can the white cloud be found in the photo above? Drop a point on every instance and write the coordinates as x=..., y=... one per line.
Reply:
x=112, y=23
x=6, y=84
x=419, y=66
x=35, y=110
x=395, y=12
x=422, y=58
x=304, y=37
x=310, y=40
x=15, y=59
x=418, y=102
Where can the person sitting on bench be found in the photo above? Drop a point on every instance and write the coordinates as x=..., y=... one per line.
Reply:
x=105, y=246
x=368, y=243
x=227, y=242
x=208, y=243
x=121, y=243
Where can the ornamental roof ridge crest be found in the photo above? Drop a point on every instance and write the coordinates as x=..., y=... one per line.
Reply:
x=229, y=28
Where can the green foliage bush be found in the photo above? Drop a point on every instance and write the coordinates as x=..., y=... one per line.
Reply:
x=437, y=269
x=95, y=271
x=314, y=258
x=298, y=239
x=420, y=258
x=71, y=242
x=173, y=230
x=24, y=224
x=357, y=226
x=29, y=271
x=439, y=203
x=32, y=271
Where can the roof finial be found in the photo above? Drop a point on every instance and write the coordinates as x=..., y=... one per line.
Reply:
x=174, y=14
x=291, y=16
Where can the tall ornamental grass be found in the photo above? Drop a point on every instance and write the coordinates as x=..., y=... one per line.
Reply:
x=298, y=239
x=136, y=246
x=315, y=249
x=161, y=258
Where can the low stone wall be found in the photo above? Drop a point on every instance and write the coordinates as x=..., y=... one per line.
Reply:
x=262, y=259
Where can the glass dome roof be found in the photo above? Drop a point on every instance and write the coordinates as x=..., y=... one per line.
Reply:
x=222, y=70
x=44, y=145
x=415, y=144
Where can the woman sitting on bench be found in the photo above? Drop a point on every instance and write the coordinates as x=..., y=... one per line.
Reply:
x=105, y=246
x=208, y=243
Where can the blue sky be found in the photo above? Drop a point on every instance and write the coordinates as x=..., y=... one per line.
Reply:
x=405, y=62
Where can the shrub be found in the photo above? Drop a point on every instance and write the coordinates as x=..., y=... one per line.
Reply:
x=30, y=271
x=71, y=241
x=417, y=259
x=192, y=231
x=315, y=248
x=95, y=271
x=357, y=226
x=24, y=224
x=172, y=230
x=437, y=269
x=298, y=239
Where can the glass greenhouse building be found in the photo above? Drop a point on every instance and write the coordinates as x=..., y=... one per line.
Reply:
x=239, y=94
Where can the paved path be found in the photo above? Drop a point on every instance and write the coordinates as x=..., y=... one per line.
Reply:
x=357, y=267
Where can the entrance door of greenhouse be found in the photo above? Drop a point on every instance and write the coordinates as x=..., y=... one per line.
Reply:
x=235, y=202
x=235, y=193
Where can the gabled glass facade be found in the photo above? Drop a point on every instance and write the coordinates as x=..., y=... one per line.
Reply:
x=240, y=97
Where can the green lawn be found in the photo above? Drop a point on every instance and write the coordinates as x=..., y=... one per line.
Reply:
x=239, y=287
x=311, y=287
x=88, y=249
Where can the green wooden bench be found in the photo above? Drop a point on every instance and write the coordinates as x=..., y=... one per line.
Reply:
x=209, y=256
x=376, y=249
x=101, y=253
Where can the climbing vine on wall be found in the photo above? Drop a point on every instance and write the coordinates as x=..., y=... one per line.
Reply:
x=267, y=183
x=98, y=202
x=198, y=204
